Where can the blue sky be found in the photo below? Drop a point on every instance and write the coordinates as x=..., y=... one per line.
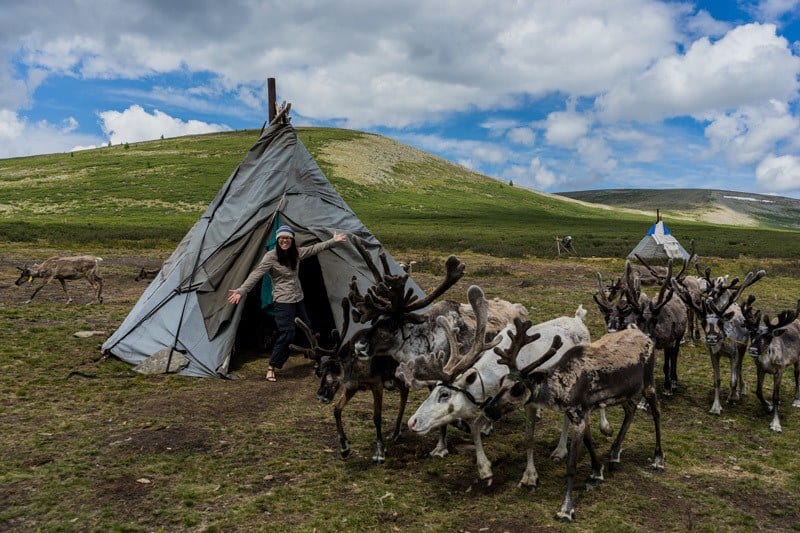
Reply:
x=555, y=96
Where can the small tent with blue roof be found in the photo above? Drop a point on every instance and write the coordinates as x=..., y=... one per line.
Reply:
x=659, y=244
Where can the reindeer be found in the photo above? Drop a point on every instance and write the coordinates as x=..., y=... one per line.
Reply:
x=614, y=369
x=339, y=366
x=726, y=333
x=460, y=395
x=664, y=319
x=147, y=273
x=64, y=269
x=693, y=284
x=775, y=346
x=399, y=331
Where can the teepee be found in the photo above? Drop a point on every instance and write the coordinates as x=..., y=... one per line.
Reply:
x=182, y=320
x=659, y=243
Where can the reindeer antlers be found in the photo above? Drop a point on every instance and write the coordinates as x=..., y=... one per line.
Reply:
x=315, y=351
x=388, y=296
x=445, y=367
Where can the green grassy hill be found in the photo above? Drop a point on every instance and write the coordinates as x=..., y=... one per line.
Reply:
x=149, y=194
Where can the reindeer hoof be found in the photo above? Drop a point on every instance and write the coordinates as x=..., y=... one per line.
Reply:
x=378, y=460
x=489, y=482
x=566, y=516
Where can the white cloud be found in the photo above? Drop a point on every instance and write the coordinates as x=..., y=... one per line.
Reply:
x=22, y=138
x=10, y=125
x=595, y=152
x=524, y=136
x=774, y=10
x=779, y=173
x=135, y=124
x=749, y=65
x=543, y=177
x=750, y=133
x=564, y=128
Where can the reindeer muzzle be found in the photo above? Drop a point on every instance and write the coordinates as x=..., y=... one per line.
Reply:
x=753, y=351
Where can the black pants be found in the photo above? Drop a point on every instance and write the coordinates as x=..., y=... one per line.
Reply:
x=284, y=320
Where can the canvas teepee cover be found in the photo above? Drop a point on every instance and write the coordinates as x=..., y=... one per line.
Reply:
x=184, y=310
x=659, y=243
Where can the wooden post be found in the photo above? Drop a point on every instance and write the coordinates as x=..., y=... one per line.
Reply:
x=271, y=99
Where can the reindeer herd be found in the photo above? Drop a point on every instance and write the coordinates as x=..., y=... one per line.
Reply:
x=485, y=359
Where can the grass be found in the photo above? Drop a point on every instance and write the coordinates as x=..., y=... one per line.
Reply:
x=149, y=195
x=137, y=453
x=126, y=452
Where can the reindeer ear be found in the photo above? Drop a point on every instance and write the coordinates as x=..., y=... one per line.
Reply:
x=518, y=389
x=539, y=375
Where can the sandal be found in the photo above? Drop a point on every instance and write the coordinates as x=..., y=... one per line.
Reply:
x=271, y=374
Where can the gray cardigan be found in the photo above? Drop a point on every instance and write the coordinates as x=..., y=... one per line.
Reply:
x=285, y=282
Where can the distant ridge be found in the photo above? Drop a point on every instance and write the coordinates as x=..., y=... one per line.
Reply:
x=706, y=205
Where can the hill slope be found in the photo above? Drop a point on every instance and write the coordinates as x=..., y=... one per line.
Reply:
x=149, y=194
x=707, y=205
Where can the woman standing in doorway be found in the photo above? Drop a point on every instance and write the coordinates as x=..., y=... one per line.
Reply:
x=283, y=266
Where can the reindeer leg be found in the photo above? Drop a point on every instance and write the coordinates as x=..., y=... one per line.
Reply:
x=530, y=478
x=379, y=457
x=760, y=373
x=398, y=424
x=776, y=397
x=484, y=464
x=655, y=411
x=605, y=425
x=441, y=445
x=733, y=396
x=567, y=511
x=796, y=402
x=716, y=407
x=344, y=444
x=597, y=467
x=561, y=449
x=99, y=281
x=37, y=289
x=667, y=372
x=741, y=382
x=64, y=286
x=629, y=407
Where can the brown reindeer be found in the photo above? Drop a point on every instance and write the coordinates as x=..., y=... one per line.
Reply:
x=663, y=318
x=339, y=366
x=775, y=347
x=64, y=269
x=147, y=273
x=616, y=369
x=726, y=333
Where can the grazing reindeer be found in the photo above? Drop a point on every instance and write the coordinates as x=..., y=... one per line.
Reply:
x=339, y=366
x=399, y=331
x=64, y=269
x=664, y=319
x=776, y=346
x=614, y=369
x=726, y=334
x=147, y=273
x=460, y=395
